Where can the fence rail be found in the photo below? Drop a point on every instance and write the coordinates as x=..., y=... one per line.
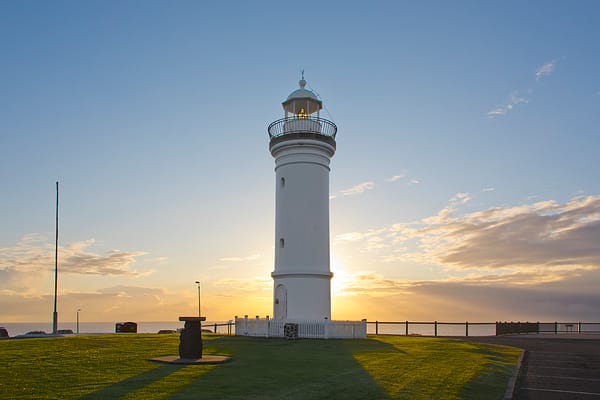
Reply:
x=437, y=328
x=421, y=328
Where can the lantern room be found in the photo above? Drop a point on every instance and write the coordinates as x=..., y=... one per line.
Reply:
x=302, y=102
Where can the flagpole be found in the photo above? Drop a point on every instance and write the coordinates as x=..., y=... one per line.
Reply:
x=55, y=314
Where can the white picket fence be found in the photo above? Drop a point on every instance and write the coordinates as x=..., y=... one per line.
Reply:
x=326, y=329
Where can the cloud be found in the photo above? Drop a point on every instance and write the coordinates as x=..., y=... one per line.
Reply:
x=545, y=70
x=372, y=240
x=396, y=177
x=447, y=212
x=117, y=303
x=529, y=244
x=358, y=189
x=403, y=175
x=516, y=98
x=240, y=259
x=375, y=284
x=488, y=189
x=545, y=236
x=33, y=254
x=503, y=109
x=350, y=237
x=481, y=299
x=256, y=285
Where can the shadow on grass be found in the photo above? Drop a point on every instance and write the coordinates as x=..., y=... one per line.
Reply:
x=375, y=344
x=495, y=375
x=133, y=383
x=280, y=369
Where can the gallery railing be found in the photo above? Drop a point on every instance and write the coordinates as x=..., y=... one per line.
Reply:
x=308, y=125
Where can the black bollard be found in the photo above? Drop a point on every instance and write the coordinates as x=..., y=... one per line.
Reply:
x=190, y=341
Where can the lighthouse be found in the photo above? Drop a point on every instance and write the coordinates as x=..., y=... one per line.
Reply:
x=302, y=144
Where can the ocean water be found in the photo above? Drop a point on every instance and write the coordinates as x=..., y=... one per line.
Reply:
x=15, y=329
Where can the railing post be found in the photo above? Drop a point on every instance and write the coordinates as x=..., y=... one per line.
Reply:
x=435, y=328
x=215, y=327
x=406, y=328
x=556, y=327
x=376, y=327
x=467, y=329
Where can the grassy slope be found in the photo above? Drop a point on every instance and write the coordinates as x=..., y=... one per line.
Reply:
x=115, y=366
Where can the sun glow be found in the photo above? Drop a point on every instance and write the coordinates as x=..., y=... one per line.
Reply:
x=342, y=280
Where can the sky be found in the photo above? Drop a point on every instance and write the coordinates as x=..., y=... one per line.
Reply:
x=465, y=186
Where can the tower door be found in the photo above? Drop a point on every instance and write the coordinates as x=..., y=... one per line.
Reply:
x=280, y=308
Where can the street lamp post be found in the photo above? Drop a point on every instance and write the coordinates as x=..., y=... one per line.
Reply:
x=79, y=309
x=199, y=310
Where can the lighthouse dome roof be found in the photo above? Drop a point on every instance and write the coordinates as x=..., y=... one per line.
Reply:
x=302, y=93
x=310, y=100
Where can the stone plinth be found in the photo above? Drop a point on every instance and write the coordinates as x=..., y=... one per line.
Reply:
x=190, y=341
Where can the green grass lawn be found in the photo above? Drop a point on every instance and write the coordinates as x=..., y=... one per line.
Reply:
x=117, y=366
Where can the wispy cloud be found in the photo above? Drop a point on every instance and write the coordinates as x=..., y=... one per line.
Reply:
x=488, y=189
x=545, y=70
x=447, y=212
x=370, y=185
x=33, y=253
x=350, y=237
x=104, y=304
x=358, y=189
x=503, y=109
x=257, y=284
x=516, y=98
x=396, y=177
x=240, y=259
x=372, y=239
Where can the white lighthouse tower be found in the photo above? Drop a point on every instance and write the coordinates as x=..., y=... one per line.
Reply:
x=302, y=144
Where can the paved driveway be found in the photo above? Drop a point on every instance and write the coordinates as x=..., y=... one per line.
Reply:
x=556, y=367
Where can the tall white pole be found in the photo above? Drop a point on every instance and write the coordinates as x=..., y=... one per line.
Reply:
x=55, y=314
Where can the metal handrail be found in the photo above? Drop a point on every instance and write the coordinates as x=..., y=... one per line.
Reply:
x=314, y=125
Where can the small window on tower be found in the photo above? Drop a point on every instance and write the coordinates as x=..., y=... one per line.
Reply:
x=282, y=182
x=281, y=243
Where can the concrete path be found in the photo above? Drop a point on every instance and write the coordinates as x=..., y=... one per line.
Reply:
x=556, y=366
